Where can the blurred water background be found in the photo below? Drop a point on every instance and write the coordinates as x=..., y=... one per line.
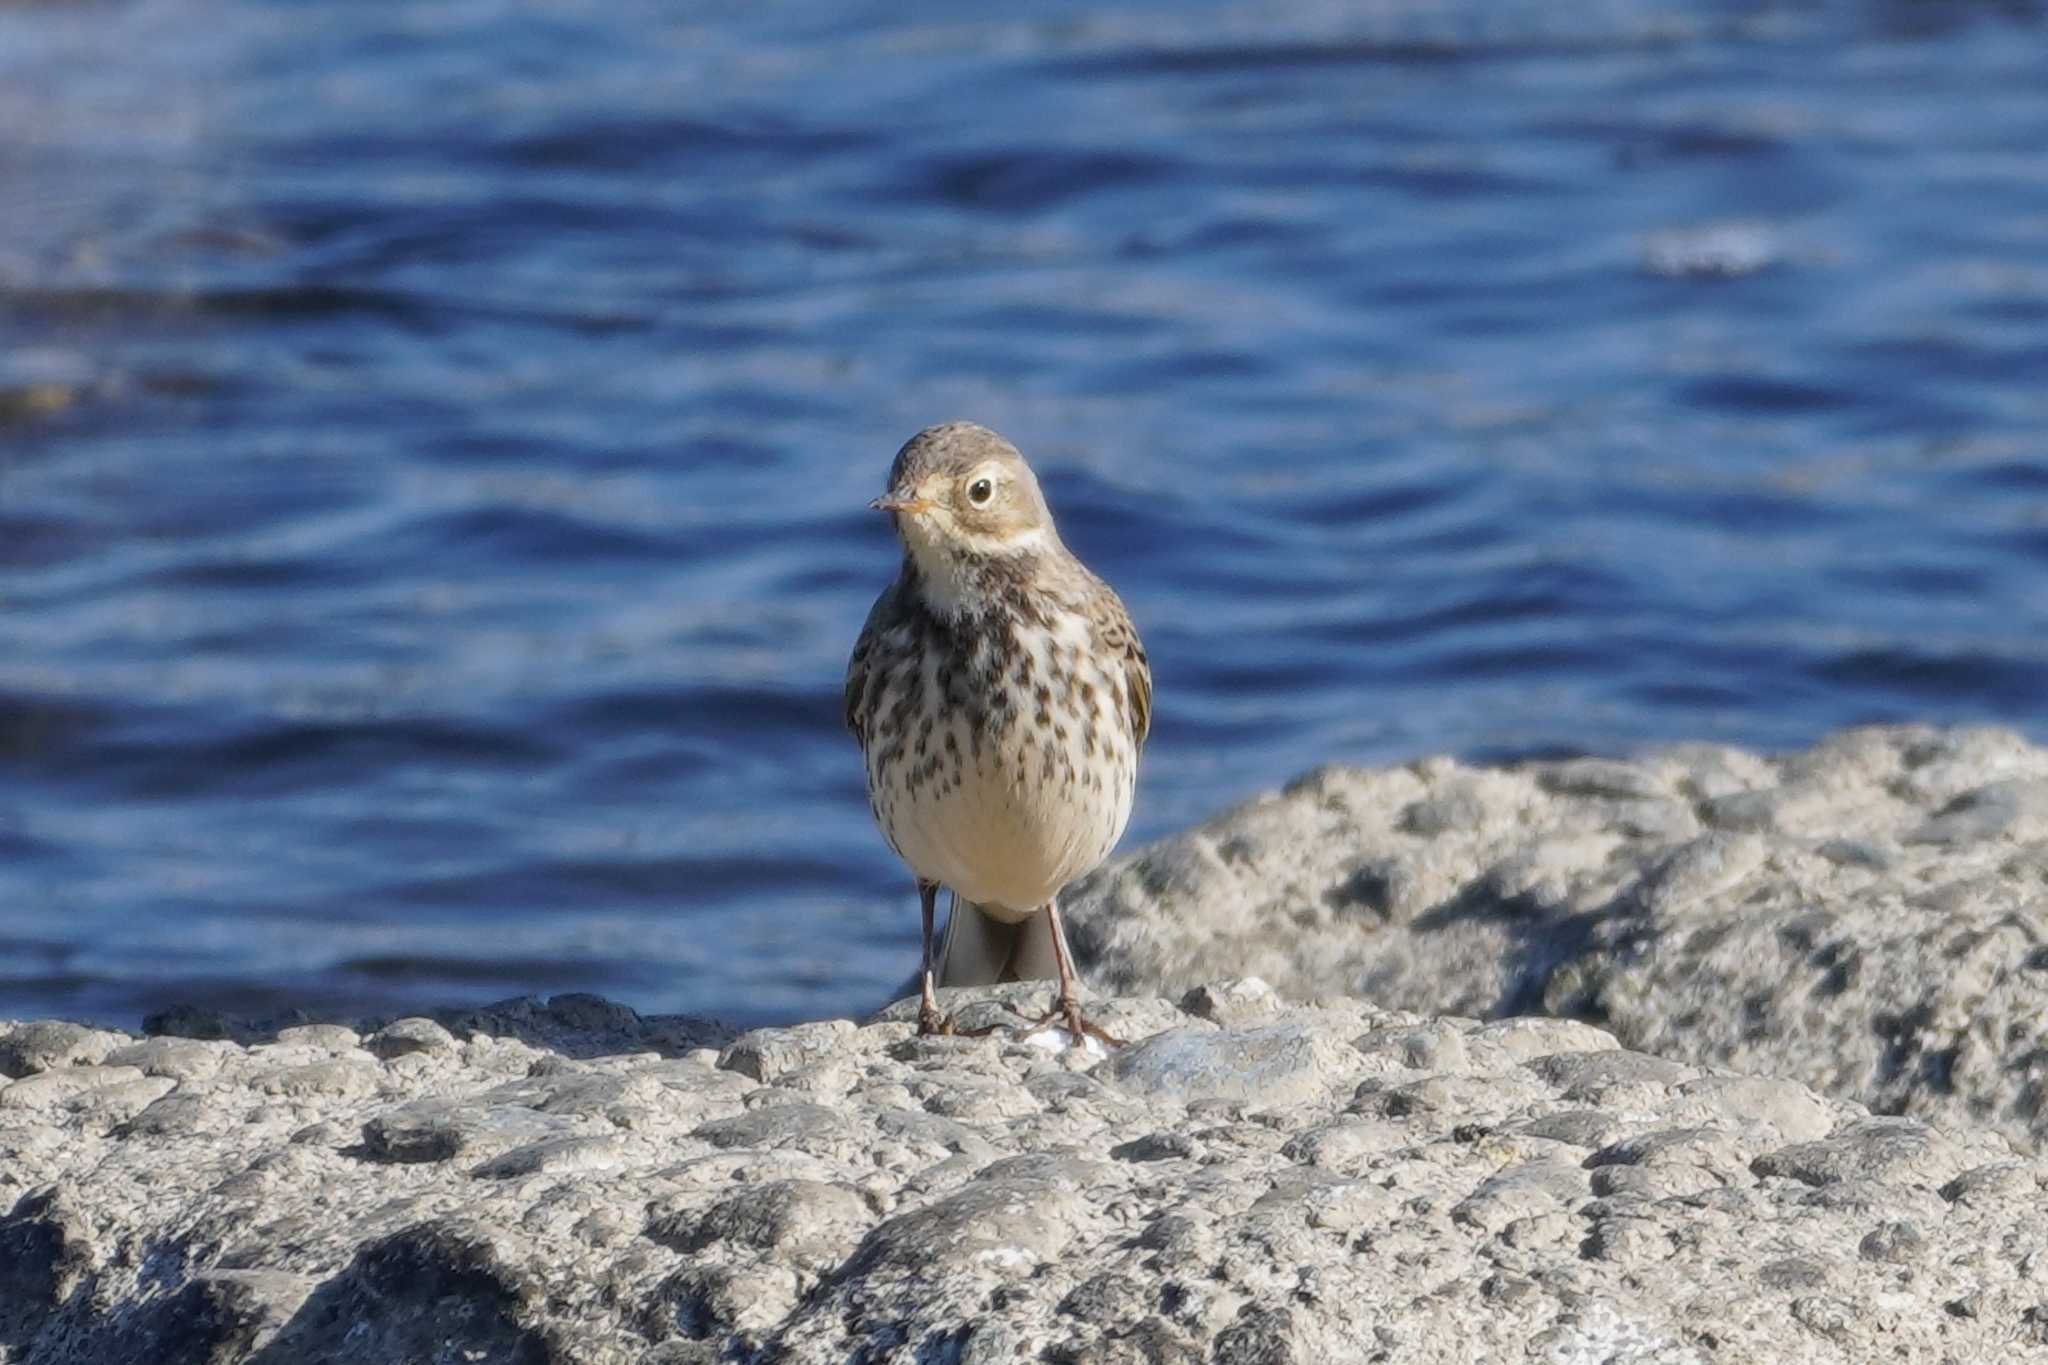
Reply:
x=434, y=435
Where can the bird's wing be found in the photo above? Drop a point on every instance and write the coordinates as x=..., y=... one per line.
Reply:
x=859, y=666
x=1120, y=641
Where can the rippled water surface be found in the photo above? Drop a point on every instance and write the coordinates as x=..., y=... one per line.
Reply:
x=434, y=435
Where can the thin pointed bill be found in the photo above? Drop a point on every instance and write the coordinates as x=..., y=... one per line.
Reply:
x=896, y=502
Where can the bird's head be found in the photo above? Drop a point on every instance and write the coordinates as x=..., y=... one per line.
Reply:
x=960, y=493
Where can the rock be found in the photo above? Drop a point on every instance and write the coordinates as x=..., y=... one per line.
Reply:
x=320, y=1037
x=45, y=1045
x=814, y=1223
x=47, y=1253
x=1002, y=1229
x=173, y=1116
x=403, y=1037
x=1232, y=1003
x=1280, y=1065
x=440, y=1290
x=181, y=1059
x=1864, y=917
x=581, y=1025
x=440, y=1130
x=766, y=1054
x=211, y=1025
x=778, y=1125
x=1165, y=1145
x=1887, y=1150
x=50, y=1089
x=344, y=1077
x=1599, y=778
x=1286, y=1187
x=554, y=1156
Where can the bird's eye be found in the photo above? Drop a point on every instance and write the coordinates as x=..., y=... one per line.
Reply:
x=980, y=491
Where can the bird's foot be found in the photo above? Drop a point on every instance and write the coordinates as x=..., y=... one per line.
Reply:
x=1066, y=1012
x=932, y=1024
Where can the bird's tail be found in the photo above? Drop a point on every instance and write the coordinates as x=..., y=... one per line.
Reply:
x=981, y=950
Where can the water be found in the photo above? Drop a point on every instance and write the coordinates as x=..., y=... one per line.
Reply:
x=434, y=436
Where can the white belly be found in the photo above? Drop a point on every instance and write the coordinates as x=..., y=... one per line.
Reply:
x=1003, y=839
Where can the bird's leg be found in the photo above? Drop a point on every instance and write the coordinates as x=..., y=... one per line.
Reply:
x=1066, y=1009
x=929, y=1020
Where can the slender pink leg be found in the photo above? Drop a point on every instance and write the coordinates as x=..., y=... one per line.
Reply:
x=929, y=1020
x=1067, y=1007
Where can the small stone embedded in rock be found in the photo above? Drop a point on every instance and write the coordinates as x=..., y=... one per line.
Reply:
x=1742, y=811
x=48, y=1044
x=1528, y=1038
x=440, y=1130
x=1283, y=1064
x=1706, y=1147
x=1165, y=1145
x=50, y=1089
x=1346, y=1145
x=1897, y=1243
x=1435, y=1046
x=174, y=1115
x=1522, y=1191
x=1590, y=1075
x=320, y=1037
x=1601, y=778
x=181, y=1059
x=1695, y=871
x=554, y=1156
x=2001, y=1180
x=1442, y=813
x=1884, y=1149
x=766, y=1054
x=811, y=1221
x=1000, y=1229
x=1985, y=813
x=1260, y=1336
x=403, y=1037
x=343, y=1077
x=775, y=1126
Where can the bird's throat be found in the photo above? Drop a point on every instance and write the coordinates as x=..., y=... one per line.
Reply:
x=955, y=582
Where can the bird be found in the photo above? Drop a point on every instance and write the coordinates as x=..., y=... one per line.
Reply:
x=1001, y=698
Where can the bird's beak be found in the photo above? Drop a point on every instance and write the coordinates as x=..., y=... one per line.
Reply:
x=898, y=502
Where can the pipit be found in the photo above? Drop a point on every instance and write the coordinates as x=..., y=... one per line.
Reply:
x=1001, y=697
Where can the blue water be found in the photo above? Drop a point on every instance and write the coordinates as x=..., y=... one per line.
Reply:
x=434, y=435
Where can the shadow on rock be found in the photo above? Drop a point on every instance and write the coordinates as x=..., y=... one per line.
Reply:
x=438, y=1291
x=575, y=1025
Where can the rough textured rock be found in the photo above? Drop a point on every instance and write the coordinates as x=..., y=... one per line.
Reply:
x=1249, y=1181
x=1869, y=916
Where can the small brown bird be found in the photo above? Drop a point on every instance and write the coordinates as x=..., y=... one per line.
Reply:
x=1001, y=697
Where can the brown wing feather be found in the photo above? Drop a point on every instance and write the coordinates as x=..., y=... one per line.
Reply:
x=1120, y=641
x=856, y=687
x=858, y=667
x=1138, y=677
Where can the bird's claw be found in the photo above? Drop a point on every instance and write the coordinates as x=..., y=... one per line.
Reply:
x=1067, y=1014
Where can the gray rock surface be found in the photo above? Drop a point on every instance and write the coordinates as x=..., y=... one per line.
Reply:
x=1869, y=916
x=1248, y=1181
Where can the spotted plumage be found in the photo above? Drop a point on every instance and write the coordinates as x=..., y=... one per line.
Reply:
x=1001, y=697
